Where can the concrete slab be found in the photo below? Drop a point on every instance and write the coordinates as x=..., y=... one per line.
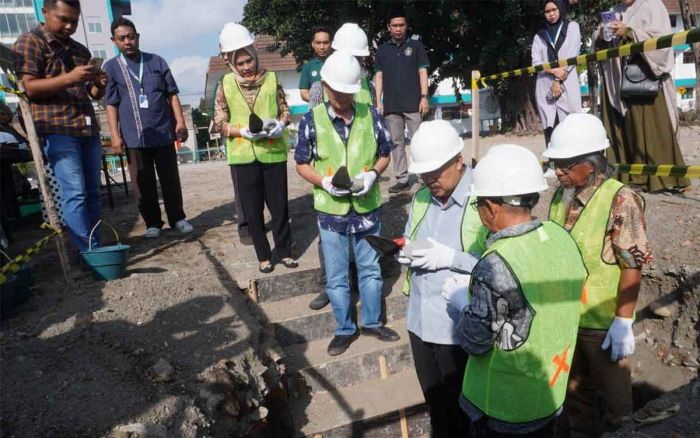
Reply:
x=351, y=411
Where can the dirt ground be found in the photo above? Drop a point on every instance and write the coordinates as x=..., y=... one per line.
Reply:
x=79, y=361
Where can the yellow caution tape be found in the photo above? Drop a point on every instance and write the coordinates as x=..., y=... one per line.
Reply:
x=11, y=90
x=662, y=42
x=660, y=170
x=16, y=264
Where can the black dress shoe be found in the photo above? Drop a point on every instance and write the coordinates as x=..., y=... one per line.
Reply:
x=399, y=187
x=319, y=302
x=382, y=333
x=339, y=344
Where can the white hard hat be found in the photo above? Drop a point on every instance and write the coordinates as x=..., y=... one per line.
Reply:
x=350, y=38
x=508, y=170
x=233, y=37
x=434, y=144
x=579, y=134
x=341, y=72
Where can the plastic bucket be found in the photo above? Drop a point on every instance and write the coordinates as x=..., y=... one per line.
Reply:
x=7, y=296
x=106, y=262
x=24, y=280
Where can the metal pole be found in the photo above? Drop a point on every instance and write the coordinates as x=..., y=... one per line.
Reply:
x=476, y=127
x=41, y=176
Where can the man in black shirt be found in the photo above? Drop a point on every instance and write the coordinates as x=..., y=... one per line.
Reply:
x=401, y=86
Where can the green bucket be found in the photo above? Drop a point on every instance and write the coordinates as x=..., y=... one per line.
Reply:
x=106, y=262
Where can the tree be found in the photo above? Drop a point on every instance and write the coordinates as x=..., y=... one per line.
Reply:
x=201, y=119
x=460, y=36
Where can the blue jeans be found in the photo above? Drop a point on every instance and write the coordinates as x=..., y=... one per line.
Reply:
x=76, y=163
x=336, y=253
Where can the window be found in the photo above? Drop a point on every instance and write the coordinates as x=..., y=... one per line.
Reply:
x=687, y=94
x=12, y=22
x=95, y=27
x=673, y=20
x=99, y=53
x=688, y=57
x=4, y=28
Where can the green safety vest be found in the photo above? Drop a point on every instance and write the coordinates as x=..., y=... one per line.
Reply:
x=529, y=382
x=473, y=233
x=241, y=150
x=600, y=297
x=362, y=96
x=358, y=156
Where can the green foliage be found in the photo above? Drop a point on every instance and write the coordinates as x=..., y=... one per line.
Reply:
x=487, y=35
x=201, y=118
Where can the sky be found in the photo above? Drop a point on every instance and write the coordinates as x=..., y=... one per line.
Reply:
x=186, y=34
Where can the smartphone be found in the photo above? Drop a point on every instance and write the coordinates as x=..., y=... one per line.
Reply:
x=96, y=62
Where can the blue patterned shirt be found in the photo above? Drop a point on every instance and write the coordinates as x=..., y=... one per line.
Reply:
x=306, y=152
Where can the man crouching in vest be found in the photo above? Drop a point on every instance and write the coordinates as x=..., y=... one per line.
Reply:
x=525, y=302
x=445, y=239
x=606, y=219
x=344, y=133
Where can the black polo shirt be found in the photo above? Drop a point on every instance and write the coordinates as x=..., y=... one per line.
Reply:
x=399, y=64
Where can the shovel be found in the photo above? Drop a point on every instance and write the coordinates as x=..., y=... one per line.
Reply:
x=384, y=246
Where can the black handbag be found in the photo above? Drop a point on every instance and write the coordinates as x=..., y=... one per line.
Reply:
x=638, y=81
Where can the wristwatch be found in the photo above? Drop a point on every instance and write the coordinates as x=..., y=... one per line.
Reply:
x=423, y=96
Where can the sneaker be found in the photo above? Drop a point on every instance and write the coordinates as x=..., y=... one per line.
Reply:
x=152, y=233
x=399, y=187
x=550, y=173
x=339, y=344
x=183, y=226
x=319, y=302
x=382, y=333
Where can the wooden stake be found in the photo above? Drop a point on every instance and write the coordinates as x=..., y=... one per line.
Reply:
x=384, y=374
x=476, y=125
x=41, y=176
x=253, y=290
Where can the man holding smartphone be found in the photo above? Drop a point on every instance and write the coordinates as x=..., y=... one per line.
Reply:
x=145, y=117
x=60, y=81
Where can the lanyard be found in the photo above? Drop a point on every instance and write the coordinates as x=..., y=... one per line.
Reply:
x=549, y=37
x=140, y=76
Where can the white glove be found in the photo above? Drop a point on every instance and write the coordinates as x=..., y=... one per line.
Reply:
x=245, y=133
x=328, y=186
x=621, y=338
x=368, y=179
x=438, y=256
x=276, y=131
x=455, y=291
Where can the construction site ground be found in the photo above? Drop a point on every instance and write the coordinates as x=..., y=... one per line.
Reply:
x=83, y=360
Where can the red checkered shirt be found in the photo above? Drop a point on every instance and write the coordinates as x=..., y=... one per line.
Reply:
x=38, y=53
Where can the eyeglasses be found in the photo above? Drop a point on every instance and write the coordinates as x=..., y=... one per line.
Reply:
x=565, y=166
x=478, y=202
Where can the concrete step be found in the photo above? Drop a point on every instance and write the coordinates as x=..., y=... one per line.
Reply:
x=293, y=322
x=288, y=284
x=369, y=409
x=359, y=364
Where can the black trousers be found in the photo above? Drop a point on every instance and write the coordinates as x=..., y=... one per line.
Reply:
x=481, y=429
x=440, y=370
x=261, y=184
x=242, y=221
x=143, y=165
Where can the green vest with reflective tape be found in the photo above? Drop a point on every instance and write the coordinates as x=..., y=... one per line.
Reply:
x=362, y=96
x=473, y=233
x=241, y=150
x=600, y=297
x=529, y=382
x=358, y=156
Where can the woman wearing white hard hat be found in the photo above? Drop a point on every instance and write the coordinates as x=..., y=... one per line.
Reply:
x=606, y=218
x=519, y=327
x=446, y=239
x=344, y=137
x=251, y=113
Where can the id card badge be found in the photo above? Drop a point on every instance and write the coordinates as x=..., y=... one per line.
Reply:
x=143, y=101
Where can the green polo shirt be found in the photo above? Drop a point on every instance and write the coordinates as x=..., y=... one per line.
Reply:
x=310, y=73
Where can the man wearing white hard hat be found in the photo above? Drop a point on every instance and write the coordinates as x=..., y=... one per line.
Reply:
x=606, y=218
x=445, y=239
x=257, y=155
x=520, y=325
x=350, y=38
x=344, y=134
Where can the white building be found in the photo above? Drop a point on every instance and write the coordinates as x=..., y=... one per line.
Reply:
x=684, y=72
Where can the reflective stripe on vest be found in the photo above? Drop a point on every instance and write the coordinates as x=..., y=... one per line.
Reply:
x=473, y=233
x=600, y=296
x=529, y=382
x=241, y=150
x=359, y=156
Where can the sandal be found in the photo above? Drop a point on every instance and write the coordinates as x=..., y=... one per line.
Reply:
x=289, y=263
x=267, y=268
